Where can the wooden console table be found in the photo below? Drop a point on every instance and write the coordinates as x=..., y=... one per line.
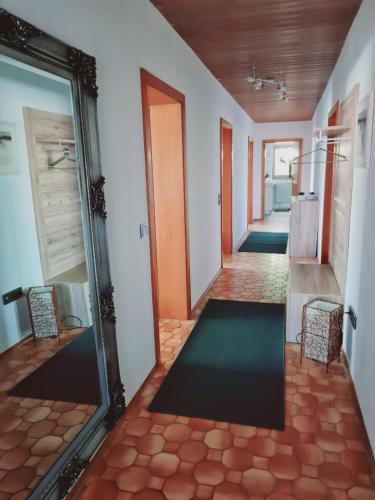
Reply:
x=303, y=235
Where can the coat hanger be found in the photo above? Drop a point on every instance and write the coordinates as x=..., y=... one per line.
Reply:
x=338, y=157
x=65, y=156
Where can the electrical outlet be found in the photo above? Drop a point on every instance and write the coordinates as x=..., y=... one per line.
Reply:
x=352, y=316
x=12, y=296
x=143, y=230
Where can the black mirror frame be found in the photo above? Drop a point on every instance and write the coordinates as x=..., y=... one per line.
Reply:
x=26, y=43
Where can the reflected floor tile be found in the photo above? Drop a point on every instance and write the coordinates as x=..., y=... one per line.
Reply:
x=33, y=432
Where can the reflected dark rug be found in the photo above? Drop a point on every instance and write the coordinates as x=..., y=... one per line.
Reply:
x=231, y=368
x=70, y=375
x=265, y=242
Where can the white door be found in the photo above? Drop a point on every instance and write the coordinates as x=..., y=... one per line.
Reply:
x=342, y=191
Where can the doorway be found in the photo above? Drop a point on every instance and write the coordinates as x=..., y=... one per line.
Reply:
x=333, y=119
x=281, y=177
x=164, y=139
x=250, y=181
x=226, y=148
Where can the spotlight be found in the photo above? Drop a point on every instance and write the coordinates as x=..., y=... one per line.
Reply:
x=252, y=78
x=259, y=84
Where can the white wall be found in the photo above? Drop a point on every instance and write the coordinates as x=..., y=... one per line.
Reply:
x=125, y=35
x=20, y=264
x=279, y=130
x=357, y=64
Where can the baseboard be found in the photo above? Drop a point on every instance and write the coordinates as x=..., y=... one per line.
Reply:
x=139, y=391
x=358, y=407
x=241, y=240
x=24, y=339
x=205, y=291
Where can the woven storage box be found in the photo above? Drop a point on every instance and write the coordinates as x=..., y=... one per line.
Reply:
x=321, y=336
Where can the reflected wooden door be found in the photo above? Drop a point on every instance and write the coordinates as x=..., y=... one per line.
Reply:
x=226, y=188
x=56, y=193
x=342, y=191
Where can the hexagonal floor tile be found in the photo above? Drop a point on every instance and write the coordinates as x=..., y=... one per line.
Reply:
x=258, y=482
x=218, y=439
x=209, y=473
x=164, y=464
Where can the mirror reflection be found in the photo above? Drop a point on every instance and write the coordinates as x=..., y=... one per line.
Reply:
x=49, y=383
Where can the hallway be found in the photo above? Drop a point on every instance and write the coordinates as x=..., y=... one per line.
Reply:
x=322, y=454
x=189, y=187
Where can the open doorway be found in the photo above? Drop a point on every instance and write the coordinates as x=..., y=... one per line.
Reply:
x=281, y=177
x=250, y=181
x=226, y=149
x=164, y=132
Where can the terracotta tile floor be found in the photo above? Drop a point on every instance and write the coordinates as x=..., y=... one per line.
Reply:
x=321, y=454
x=33, y=433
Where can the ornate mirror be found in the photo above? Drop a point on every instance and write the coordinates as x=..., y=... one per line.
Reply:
x=60, y=388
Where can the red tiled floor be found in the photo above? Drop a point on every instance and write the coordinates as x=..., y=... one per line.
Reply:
x=321, y=454
x=32, y=432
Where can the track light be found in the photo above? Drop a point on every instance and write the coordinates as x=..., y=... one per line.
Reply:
x=252, y=78
x=259, y=84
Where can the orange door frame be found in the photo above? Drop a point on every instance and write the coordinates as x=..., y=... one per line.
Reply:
x=226, y=185
x=299, y=173
x=250, y=181
x=149, y=80
x=333, y=119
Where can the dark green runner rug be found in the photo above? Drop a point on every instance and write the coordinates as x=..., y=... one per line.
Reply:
x=70, y=375
x=265, y=242
x=231, y=367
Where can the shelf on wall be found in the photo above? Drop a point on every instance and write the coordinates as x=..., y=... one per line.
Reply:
x=331, y=131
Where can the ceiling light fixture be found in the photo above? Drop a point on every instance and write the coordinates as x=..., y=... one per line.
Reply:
x=259, y=84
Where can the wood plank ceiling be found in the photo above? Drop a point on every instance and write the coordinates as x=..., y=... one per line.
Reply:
x=296, y=41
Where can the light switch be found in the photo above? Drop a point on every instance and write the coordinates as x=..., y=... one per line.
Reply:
x=143, y=230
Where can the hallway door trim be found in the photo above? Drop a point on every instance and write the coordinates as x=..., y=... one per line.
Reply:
x=333, y=119
x=225, y=124
x=148, y=79
x=250, y=181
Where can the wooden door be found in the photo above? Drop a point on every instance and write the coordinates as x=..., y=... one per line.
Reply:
x=226, y=188
x=250, y=182
x=169, y=209
x=297, y=169
x=333, y=119
x=56, y=193
x=342, y=191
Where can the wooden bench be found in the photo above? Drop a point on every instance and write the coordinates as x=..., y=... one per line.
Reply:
x=307, y=282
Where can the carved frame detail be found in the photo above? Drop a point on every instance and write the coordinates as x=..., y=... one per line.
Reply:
x=117, y=406
x=16, y=31
x=107, y=306
x=70, y=474
x=84, y=66
x=98, y=197
x=26, y=43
